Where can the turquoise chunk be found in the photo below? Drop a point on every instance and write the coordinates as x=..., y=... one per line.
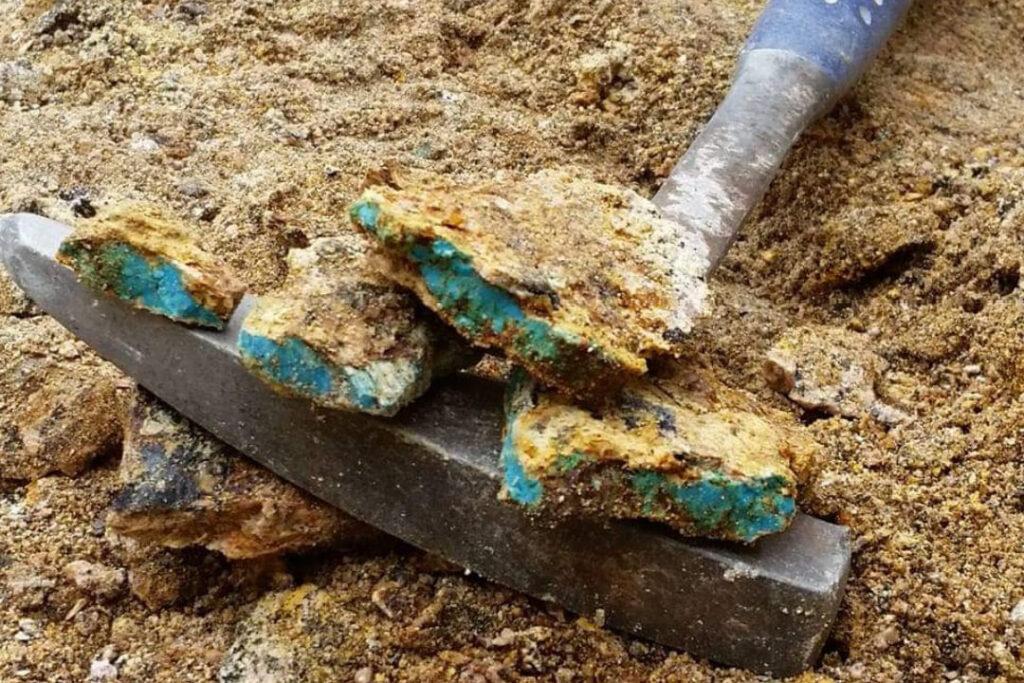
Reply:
x=155, y=284
x=366, y=214
x=522, y=488
x=567, y=463
x=292, y=364
x=361, y=389
x=475, y=306
x=750, y=508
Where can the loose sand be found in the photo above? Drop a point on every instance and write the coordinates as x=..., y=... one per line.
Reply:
x=899, y=216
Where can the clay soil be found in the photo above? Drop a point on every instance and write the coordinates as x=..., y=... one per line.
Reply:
x=900, y=216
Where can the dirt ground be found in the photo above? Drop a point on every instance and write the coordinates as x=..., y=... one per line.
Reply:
x=899, y=216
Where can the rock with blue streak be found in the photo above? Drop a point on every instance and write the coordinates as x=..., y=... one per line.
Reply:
x=578, y=282
x=138, y=253
x=341, y=335
x=677, y=447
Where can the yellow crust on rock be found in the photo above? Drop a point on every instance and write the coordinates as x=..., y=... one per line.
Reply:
x=155, y=235
x=596, y=262
x=335, y=301
x=680, y=422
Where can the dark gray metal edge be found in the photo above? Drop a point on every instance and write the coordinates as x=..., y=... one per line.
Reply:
x=430, y=477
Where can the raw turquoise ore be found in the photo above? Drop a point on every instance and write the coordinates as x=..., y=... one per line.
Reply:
x=338, y=334
x=474, y=303
x=477, y=308
x=294, y=365
x=154, y=284
x=493, y=260
x=691, y=453
x=139, y=255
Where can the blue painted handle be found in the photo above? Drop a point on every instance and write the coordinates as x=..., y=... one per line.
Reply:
x=839, y=36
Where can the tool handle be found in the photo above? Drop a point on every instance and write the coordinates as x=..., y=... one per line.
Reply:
x=801, y=56
x=841, y=37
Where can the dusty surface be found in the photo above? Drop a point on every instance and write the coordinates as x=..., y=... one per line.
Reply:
x=209, y=290
x=899, y=216
x=677, y=446
x=580, y=282
x=60, y=405
x=181, y=488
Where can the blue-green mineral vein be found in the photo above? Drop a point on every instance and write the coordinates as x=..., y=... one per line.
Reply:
x=473, y=305
x=155, y=284
x=746, y=508
x=295, y=365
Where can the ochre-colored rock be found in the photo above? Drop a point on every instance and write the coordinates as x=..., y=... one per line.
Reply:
x=96, y=580
x=577, y=281
x=184, y=488
x=138, y=254
x=13, y=301
x=59, y=403
x=343, y=336
x=832, y=370
x=677, y=447
x=162, y=578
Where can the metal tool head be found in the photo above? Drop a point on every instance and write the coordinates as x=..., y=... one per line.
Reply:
x=430, y=476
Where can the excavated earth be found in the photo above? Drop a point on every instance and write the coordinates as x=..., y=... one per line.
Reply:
x=898, y=218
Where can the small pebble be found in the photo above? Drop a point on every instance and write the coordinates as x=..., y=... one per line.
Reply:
x=102, y=668
x=1017, y=613
x=96, y=579
x=193, y=188
x=28, y=629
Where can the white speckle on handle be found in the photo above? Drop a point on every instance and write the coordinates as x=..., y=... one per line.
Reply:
x=865, y=14
x=831, y=2
x=879, y=2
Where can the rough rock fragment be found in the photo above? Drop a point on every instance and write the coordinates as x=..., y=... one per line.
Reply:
x=830, y=369
x=12, y=300
x=271, y=642
x=59, y=403
x=26, y=588
x=596, y=71
x=678, y=447
x=163, y=578
x=97, y=580
x=184, y=488
x=341, y=335
x=138, y=254
x=577, y=281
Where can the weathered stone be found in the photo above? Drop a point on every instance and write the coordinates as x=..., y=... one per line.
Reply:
x=832, y=370
x=59, y=404
x=102, y=668
x=26, y=587
x=98, y=580
x=677, y=447
x=163, y=578
x=276, y=638
x=1017, y=613
x=577, y=281
x=12, y=300
x=341, y=335
x=140, y=255
x=184, y=488
x=597, y=71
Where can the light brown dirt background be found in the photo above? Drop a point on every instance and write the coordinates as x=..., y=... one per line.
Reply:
x=899, y=216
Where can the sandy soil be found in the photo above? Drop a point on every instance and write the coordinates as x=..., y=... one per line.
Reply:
x=899, y=216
